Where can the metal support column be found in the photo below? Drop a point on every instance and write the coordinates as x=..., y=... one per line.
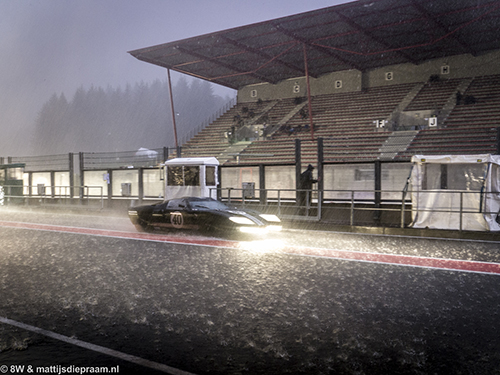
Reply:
x=320, y=164
x=165, y=154
x=52, y=184
x=262, y=185
x=110, y=187
x=71, y=175
x=378, y=194
x=321, y=185
x=298, y=163
x=172, y=110
x=308, y=85
x=82, y=174
x=140, y=178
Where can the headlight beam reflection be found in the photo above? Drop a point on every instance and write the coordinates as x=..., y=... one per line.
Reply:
x=262, y=246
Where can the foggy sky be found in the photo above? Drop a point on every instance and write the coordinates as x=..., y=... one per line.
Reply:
x=56, y=46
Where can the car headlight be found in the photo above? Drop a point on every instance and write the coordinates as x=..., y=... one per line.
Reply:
x=241, y=220
x=132, y=212
x=269, y=217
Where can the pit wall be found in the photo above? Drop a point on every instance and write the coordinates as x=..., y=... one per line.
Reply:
x=460, y=66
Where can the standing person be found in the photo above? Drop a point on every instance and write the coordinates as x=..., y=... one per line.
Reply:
x=305, y=186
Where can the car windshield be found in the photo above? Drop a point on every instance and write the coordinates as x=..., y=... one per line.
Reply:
x=208, y=204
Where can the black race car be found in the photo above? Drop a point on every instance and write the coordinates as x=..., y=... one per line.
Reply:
x=204, y=214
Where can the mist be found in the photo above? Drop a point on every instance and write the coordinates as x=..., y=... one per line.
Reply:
x=97, y=119
x=56, y=47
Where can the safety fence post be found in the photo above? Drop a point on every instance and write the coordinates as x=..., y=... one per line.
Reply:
x=403, y=197
x=461, y=208
x=352, y=208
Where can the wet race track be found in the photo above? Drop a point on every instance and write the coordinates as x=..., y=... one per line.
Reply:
x=302, y=303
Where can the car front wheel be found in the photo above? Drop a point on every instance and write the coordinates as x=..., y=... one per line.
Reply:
x=142, y=226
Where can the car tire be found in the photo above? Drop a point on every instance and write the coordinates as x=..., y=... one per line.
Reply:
x=142, y=226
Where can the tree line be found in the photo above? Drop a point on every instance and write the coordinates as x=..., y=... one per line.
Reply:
x=122, y=119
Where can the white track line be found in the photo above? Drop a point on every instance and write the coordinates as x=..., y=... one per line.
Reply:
x=97, y=348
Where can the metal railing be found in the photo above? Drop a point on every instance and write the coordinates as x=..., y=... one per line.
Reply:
x=283, y=199
x=346, y=207
x=77, y=196
x=145, y=158
x=287, y=203
x=218, y=113
x=311, y=204
x=60, y=162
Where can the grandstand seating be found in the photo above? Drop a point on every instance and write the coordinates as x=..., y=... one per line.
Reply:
x=469, y=129
x=346, y=122
x=434, y=95
x=212, y=140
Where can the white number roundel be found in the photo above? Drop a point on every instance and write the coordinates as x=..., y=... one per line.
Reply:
x=176, y=219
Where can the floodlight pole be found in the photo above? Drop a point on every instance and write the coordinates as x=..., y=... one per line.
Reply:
x=172, y=109
x=311, y=125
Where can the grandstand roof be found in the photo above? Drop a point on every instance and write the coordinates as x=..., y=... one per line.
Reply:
x=360, y=35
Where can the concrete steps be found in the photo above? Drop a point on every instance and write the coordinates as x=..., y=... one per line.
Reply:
x=396, y=143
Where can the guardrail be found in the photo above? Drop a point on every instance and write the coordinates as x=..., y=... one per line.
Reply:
x=310, y=205
x=314, y=203
x=77, y=196
x=347, y=207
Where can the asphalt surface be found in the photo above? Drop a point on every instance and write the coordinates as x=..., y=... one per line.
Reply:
x=248, y=310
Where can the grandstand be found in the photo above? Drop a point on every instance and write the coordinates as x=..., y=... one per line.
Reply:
x=373, y=74
x=346, y=122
